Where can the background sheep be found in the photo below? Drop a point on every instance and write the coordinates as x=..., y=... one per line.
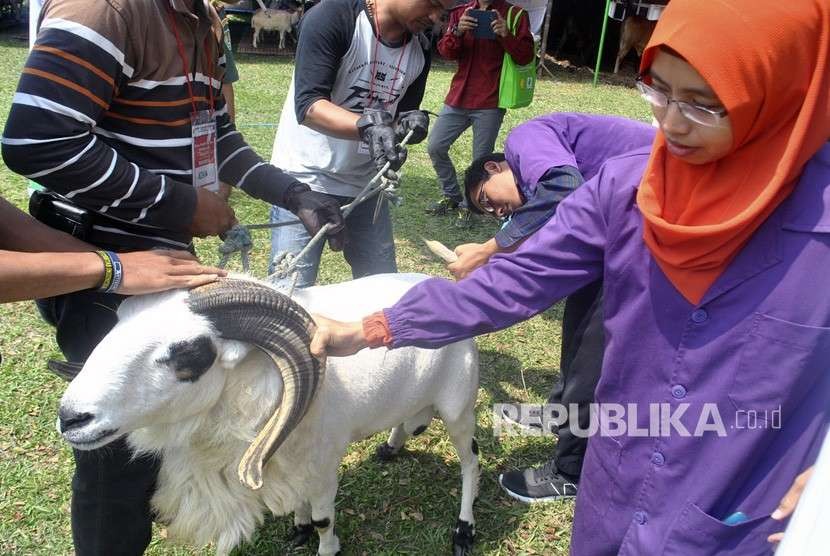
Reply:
x=181, y=384
x=269, y=20
x=634, y=33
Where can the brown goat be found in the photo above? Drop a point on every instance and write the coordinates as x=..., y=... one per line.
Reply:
x=636, y=32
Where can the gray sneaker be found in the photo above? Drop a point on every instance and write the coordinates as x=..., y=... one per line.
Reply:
x=539, y=484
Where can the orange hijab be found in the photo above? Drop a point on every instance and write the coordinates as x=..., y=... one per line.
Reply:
x=767, y=61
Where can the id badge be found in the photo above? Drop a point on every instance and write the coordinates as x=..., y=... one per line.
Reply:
x=203, y=131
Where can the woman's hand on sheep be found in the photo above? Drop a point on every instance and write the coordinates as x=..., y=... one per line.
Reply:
x=336, y=339
x=155, y=271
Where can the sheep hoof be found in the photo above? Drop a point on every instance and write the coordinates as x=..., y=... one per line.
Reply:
x=386, y=453
x=462, y=538
x=300, y=534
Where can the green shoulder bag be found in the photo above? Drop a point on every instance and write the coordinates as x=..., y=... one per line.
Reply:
x=517, y=82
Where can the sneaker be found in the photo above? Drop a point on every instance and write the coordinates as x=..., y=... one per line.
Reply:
x=442, y=207
x=465, y=218
x=539, y=484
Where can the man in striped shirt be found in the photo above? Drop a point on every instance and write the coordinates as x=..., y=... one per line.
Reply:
x=102, y=116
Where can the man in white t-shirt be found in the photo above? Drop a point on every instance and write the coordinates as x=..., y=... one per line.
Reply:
x=359, y=78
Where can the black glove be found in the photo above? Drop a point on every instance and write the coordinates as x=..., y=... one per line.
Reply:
x=376, y=129
x=412, y=120
x=315, y=210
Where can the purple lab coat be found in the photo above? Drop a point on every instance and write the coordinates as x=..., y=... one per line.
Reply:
x=758, y=342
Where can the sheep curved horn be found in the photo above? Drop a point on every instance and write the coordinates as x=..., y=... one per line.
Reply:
x=254, y=313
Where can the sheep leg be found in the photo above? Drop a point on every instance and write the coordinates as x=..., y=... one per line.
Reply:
x=389, y=450
x=303, y=529
x=461, y=432
x=256, y=37
x=322, y=516
x=621, y=52
x=282, y=40
x=399, y=435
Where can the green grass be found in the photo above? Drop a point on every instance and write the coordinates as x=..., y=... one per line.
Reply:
x=407, y=507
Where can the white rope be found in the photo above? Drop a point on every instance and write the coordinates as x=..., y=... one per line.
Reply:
x=238, y=238
x=365, y=194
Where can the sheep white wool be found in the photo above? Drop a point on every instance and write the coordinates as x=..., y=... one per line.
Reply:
x=201, y=428
x=281, y=21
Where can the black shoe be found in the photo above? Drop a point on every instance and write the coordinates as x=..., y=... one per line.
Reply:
x=443, y=207
x=539, y=484
x=464, y=219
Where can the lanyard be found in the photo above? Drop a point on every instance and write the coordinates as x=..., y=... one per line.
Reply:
x=375, y=60
x=183, y=57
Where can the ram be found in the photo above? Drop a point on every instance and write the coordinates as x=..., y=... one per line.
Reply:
x=268, y=20
x=219, y=382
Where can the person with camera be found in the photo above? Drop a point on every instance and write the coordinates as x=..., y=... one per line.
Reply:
x=359, y=77
x=119, y=114
x=478, y=38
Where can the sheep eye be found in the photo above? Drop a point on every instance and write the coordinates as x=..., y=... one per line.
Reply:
x=189, y=359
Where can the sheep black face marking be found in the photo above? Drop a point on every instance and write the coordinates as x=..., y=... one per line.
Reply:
x=191, y=358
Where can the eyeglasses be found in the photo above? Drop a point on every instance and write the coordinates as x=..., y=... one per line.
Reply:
x=483, y=202
x=694, y=112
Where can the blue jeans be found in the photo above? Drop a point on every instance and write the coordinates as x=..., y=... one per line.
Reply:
x=451, y=123
x=369, y=249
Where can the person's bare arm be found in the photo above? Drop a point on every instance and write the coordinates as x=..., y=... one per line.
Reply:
x=38, y=275
x=37, y=261
x=328, y=118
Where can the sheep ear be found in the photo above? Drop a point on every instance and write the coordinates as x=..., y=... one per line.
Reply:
x=191, y=358
x=232, y=352
x=67, y=370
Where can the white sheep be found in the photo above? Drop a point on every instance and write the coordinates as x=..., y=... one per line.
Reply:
x=282, y=21
x=242, y=431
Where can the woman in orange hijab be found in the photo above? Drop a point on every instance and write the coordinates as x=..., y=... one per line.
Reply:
x=714, y=246
x=707, y=188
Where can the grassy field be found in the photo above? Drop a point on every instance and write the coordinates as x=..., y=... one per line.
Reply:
x=407, y=507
